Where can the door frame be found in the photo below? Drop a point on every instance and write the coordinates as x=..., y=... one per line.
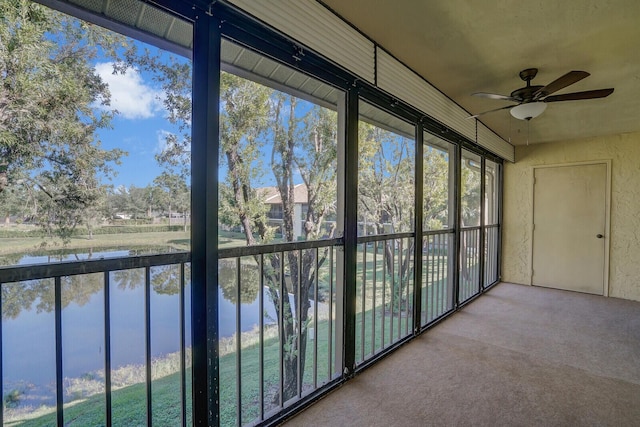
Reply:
x=607, y=208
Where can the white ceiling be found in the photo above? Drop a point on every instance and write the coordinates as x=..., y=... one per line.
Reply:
x=464, y=46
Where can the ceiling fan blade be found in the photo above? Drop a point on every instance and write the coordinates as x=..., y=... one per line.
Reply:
x=568, y=79
x=494, y=96
x=589, y=94
x=490, y=111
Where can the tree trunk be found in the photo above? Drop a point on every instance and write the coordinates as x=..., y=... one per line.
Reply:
x=3, y=181
x=295, y=328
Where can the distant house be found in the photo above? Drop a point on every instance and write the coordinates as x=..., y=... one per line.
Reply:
x=272, y=198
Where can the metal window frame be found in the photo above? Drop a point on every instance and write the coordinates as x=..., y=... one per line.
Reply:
x=204, y=214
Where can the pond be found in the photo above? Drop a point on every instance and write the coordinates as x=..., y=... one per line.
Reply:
x=28, y=329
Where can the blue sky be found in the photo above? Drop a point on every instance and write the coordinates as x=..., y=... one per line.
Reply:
x=138, y=128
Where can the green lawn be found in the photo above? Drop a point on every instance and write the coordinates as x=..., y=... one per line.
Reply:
x=178, y=240
x=129, y=403
x=129, y=407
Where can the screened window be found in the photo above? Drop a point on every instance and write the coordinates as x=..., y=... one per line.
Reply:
x=278, y=184
x=437, y=154
x=278, y=151
x=386, y=172
x=491, y=192
x=471, y=179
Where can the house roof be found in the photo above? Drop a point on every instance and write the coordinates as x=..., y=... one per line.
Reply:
x=271, y=195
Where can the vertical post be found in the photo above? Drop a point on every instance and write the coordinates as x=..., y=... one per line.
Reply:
x=315, y=321
x=204, y=205
x=419, y=226
x=350, y=230
x=363, y=301
x=58, y=325
x=457, y=214
x=298, y=314
x=1, y=359
x=147, y=339
x=283, y=295
x=261, y=334
x=183, y=364
x=373, y=297
x=107, y=348
x=448, y=298
x=336, y=353
x=238, y=342
x=499, y=177
x=483, y=222
x=330, y=368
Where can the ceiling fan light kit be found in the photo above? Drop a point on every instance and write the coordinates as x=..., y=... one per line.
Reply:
x=528, y=111
x=532, y=100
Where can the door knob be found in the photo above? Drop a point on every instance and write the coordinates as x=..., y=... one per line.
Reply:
x=599, y=236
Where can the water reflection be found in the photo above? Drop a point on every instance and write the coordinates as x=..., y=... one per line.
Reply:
x=29, y=333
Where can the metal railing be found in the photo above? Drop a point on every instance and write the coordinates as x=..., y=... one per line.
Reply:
x=384, y=292
x=437, y=282
x=292, y=350
x=491, y=242
x=151, y=272
x=282, y=335
x=469, y=281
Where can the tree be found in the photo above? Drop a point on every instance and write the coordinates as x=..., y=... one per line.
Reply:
x=436, y=188
x=15, y=201
x=385, y=198
x=175, y=194
x=303, y=146
x=311, y=150
x=77, y=289
x=243, y=118
x=470, y=199
x=470, y=202
x=255, y=122
x=48, y=119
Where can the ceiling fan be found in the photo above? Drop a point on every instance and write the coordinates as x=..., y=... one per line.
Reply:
x=532, y=100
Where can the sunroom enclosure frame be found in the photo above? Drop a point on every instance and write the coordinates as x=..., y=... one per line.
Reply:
x=211, y=24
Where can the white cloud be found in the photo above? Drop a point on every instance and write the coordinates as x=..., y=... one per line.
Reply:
x=166, y=140
x=161, y=142
x=129, y=94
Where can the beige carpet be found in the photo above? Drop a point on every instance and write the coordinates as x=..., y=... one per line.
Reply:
x=518, y=356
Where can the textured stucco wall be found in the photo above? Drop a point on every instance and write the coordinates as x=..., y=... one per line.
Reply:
x=624, y=257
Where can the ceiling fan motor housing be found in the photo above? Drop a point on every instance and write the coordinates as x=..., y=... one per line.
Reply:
x=532, y=99
x=525, y=94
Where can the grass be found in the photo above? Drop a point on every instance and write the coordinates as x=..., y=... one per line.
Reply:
x=129, y=407
x=129, y=403
x=177, y=240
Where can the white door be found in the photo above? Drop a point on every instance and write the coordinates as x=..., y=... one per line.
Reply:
x=570, y=219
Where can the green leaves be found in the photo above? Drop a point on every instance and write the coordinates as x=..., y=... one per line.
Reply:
x=47, y=121
x=385, y=179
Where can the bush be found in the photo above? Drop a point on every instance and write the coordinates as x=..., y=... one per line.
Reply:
x=121, y=229
x=12, y=399
x=108, y=229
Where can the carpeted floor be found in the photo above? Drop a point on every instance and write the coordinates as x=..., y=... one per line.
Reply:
x=518, y=356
